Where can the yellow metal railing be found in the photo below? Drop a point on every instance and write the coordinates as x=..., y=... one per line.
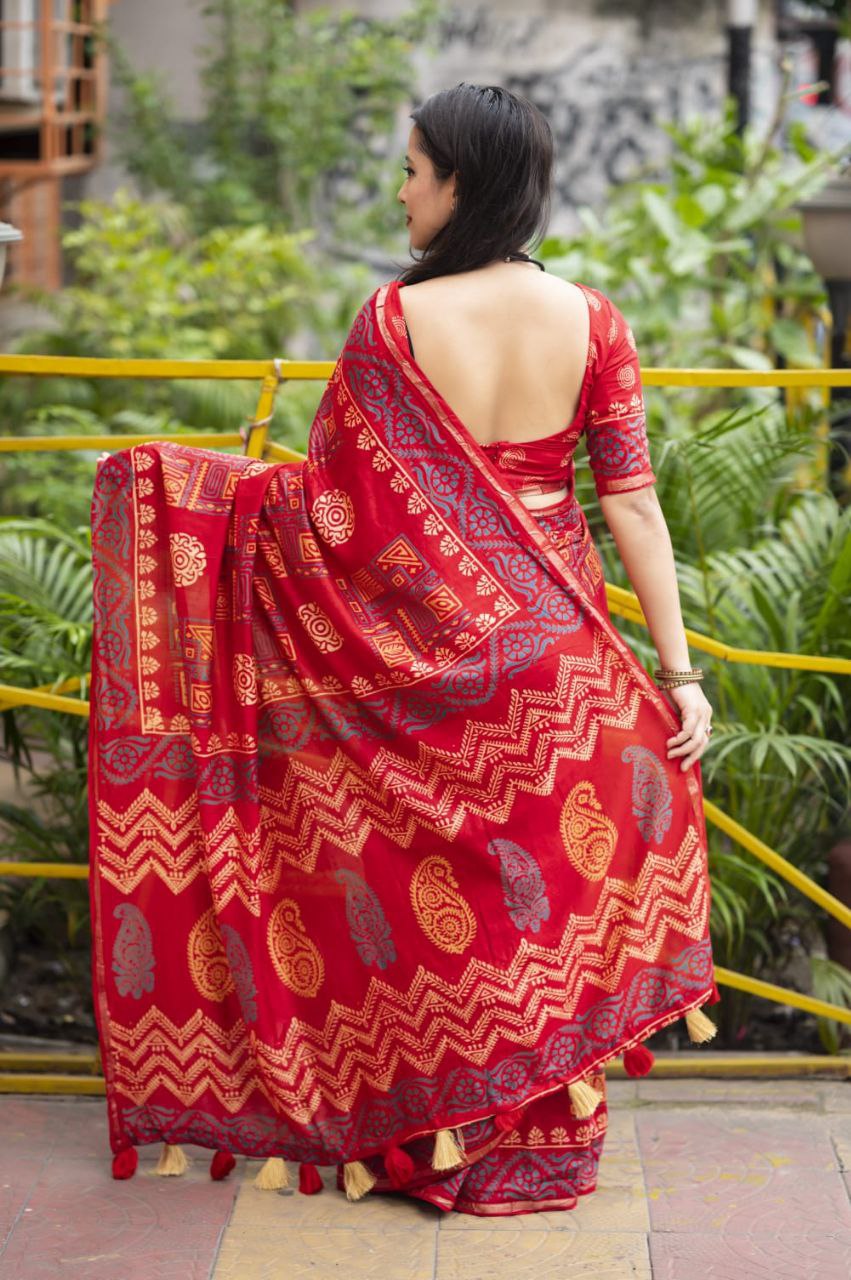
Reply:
x=624, y=603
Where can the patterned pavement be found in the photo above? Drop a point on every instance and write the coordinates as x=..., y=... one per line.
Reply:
x=700, y=1180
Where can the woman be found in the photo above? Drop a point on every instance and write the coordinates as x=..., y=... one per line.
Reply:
x=394, y=841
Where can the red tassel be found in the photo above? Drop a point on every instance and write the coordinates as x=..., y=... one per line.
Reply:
x=399, y=1166
x=221, y=1165
x=505, y=1121
x=309, y=1180
x=638, y=1060
x=125, y=1162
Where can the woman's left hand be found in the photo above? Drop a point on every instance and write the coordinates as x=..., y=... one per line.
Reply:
x=696, y=714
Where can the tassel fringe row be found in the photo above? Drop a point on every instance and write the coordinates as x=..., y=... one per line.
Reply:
x=584, y=1100
x=273, y=1175
x=172, y=1161
x=700, y=1028
x=357, y=1180
x=638, y=1060
x=309, y=1180
x=124, y=1164
x=221, y=1165
x=447, y=1154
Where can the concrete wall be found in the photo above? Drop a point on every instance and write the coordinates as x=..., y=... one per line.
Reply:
x=607, y=74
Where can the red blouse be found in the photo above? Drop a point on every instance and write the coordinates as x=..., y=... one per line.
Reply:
x=610, y=413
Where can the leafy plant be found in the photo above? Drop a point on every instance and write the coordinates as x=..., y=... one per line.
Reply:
x=709, y=271
x=294, y=105
x=45, y=639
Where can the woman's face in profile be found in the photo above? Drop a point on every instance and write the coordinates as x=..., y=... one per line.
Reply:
x=428, y=201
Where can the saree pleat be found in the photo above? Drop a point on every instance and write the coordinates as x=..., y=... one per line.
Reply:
x=384, y=839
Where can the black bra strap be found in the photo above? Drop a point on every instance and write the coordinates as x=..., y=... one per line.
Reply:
x=524, y=257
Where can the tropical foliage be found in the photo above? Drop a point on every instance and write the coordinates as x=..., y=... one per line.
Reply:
x=709, y=271
x=705, y=260
x=296, y=106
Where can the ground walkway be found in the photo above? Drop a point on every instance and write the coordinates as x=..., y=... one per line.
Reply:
x=700, y=1180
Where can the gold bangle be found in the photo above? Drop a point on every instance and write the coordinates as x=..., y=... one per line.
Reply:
x=697, y=672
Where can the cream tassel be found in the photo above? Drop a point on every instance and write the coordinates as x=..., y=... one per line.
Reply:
x=272, y=1175
x=357, y=1179
x=700, y=1028
x=584, y=1100
x=172, y=1161
x=447, y=1154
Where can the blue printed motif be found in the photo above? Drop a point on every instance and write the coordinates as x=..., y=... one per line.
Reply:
x=522, y=885
x=652, y=802
x=241, y=971
x=367, y=924
x=454, y=488
x=132, y=952
x=525, y=1175
x=114, y=696
x=618, y=448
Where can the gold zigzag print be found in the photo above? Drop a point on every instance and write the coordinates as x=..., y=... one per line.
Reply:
x=341, y=802
x=188, y=1061
x=481, y=775
x=468, y=1016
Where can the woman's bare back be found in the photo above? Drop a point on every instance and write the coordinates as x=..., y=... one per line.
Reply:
x=505, y=345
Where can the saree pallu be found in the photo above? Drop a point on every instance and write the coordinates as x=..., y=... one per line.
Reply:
x=387, y=856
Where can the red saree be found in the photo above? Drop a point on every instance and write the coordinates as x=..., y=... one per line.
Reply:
x=387, y=856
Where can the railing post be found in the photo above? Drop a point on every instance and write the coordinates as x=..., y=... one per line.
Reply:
x=257, y=432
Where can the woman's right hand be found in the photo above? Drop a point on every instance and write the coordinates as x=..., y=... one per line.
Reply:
x=695, y=711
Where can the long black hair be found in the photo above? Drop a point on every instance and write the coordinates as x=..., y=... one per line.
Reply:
x=500, y=147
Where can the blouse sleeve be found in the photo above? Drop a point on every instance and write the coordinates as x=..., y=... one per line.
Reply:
x=615, y=425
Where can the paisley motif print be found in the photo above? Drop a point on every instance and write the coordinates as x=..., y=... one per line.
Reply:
x=208, y=964
x=651, y=792
x=369, y=929
x=297, y=960
x=241, y=972
x=132, y=952
x=589, y=837
x=440, y=908
x=523, y=885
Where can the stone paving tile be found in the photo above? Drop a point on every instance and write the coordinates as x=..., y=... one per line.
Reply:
x=686, y=1199
x=535, y=1255
x=18, y=1175
x=707, y=1257
x=840, y=1133
x=297, y=1253
x=621, y=1093
x=708, y=1138
x=731, y=1175
x=620, y=1134
x=78, y=1222
x=799, y=1094
x=33, y=1121
x=837, y=1097
x=330, y=1210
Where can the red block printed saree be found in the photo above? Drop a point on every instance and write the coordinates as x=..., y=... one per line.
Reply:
x=387, y=856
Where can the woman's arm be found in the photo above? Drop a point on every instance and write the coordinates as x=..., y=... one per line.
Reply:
x=643, y=540
x=641, y=535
